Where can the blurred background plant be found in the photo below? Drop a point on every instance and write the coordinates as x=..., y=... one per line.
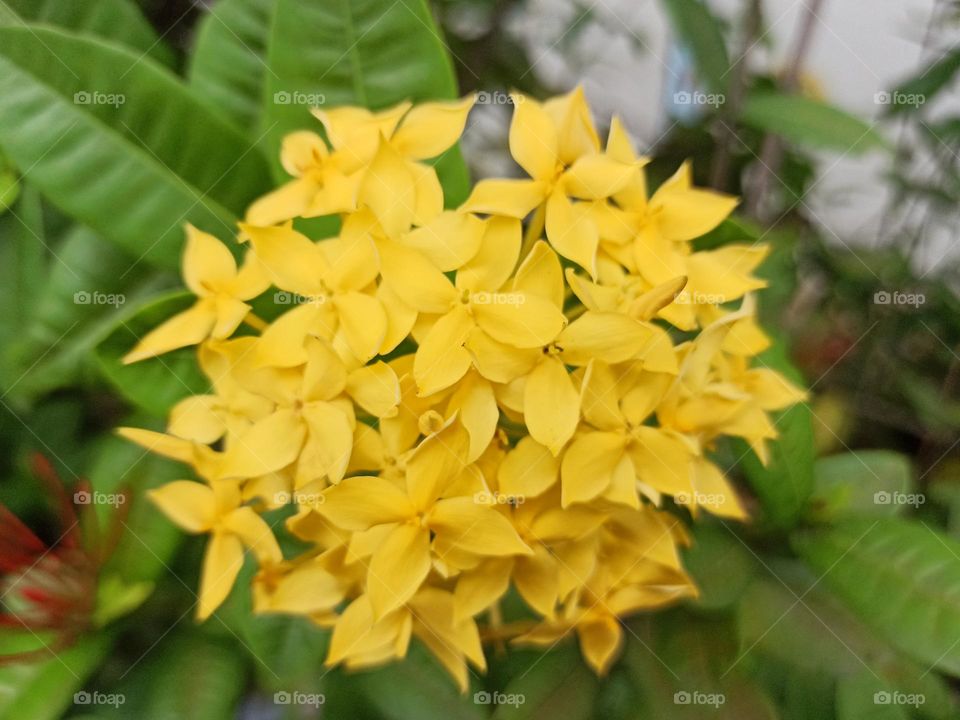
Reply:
x=123, y=120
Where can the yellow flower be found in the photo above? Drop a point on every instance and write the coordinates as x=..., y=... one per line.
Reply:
x=557, y=146
x=210, y=272
x=216, y=509
x=454, y=412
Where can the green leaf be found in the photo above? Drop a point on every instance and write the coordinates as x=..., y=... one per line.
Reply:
x=685, y=667
x=117, y=20
x=119, y=143
x=795, y=621
x=553, y=684
x=416, y=689
x=22, y=261
x=720, y=564
x=87, y=287
x=785, y=483
x=44, y=690
x=926, y=84
x=372, y=53
x=148, y=540
x=228, y=68
x=900, y=577
x=156, y=384
x=805, y=121
x=701, y=32
x=868, y=482
x=863, y=696
x=190, y=676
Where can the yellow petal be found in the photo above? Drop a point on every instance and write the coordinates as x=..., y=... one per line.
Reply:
x=254, y=533
x=307, y=589
x=611, y=337
x=533, y=138
x=288, y=201
x=196, y=418
x=572, y=233
x=359, y=503
x=600, y=642
x=326, y=452
x=540, y=274
x=512, y=198
x=495, y=258
x=436, y=463
x=595, y=177
x=713, y=492
x=398, y=568
x=536, y=580
x=551, y=405
x=518, y=319
x=497, y=361
x=588, y=465
x=207, y=263
x=291, y=260
x=388, y=189
x=221, y=565
x=528, y=470
x=190, y=505
x=685, y=212
x=601, y=398
x=363, y=323
x=356, y=634
x=661, y=461
x=375, y=388
x=268, y=445
x=478, y=589
x=476, y=407
x=414, y=279
x=190, y=327
x=441, y=359
x=463, y=524
x=431, y=128
x=450, y=240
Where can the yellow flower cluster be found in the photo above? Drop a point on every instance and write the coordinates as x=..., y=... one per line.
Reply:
x=464, y=403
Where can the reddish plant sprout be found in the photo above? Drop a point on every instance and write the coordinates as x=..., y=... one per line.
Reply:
x=51, y=588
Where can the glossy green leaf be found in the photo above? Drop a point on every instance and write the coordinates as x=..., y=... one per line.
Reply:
x=554, y=684
x=809, y=122
x=228, y=67
x=700, y=31
x=372, y=53
x=157, y=383
x=686, y=667
x=901, y=578
x=922, y=87
x=118, y=20
x=785, y=483
x=416, y=689
x=119, y=143
x=191, y=675
x=720, y=563
x=864, y=696
x=867, y=482
x=87, y=287
x=45, y=690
